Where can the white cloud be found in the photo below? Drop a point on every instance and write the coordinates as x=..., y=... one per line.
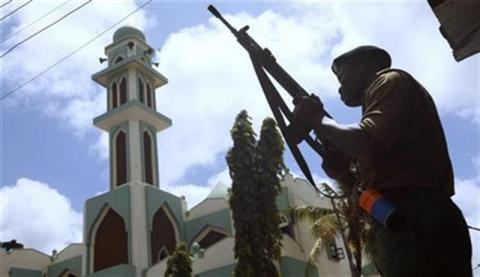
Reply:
x=467, y=197
x=221, y=177
x=211, y=78
x=38, y=216
x=194, y=194
x=66, y=92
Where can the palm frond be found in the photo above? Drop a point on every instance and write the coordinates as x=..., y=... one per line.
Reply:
x=313, y=255
x=309, y=213
x=325, y=228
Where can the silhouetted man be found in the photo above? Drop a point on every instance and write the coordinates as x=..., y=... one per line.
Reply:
x=400, y=150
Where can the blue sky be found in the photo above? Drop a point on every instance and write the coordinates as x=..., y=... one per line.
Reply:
x=52, y=156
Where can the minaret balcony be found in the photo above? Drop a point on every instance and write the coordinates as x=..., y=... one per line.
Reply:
x=132, y=110
x=103, y=77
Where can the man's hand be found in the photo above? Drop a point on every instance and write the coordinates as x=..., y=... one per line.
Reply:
x=308, y=109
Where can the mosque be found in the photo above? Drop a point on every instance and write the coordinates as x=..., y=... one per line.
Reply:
x=131, y=229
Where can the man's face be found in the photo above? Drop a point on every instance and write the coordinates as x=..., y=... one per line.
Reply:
x=353, y=82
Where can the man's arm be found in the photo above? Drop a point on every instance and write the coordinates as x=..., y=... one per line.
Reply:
x=350, y=139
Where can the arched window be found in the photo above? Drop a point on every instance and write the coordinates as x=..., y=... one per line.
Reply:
x=162, y=235
x=68, y=273
x=162, y=254
x=149, y=96
x=140, y=90
x=211, y=238
x=114, y=95
x=110, y=242
x=147, y=155
x=286, y=227
x=123, y=91
x=121, y=158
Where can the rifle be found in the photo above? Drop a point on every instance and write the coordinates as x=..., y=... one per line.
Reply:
x=263, y=61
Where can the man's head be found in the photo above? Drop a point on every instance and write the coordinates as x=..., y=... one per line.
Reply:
x=356, y=69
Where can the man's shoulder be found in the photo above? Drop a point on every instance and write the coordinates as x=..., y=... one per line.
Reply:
x=389, y=79
x=393, y=75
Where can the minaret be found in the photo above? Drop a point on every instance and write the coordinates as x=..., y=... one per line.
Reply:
x=131, y=118
x=133, y=225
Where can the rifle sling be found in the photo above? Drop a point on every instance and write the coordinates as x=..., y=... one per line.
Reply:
x=277, y=105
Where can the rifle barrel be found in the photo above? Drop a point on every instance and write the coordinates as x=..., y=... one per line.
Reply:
x=218, y=15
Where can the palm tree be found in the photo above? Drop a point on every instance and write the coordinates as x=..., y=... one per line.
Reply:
x=342, y=219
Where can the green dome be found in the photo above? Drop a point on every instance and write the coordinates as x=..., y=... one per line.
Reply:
x=128, y=31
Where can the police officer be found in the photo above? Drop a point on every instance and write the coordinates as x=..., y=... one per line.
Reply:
x=400, y=149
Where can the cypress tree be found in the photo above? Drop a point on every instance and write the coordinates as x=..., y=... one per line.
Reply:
x=268, y=168
x=179, y=264
x=240, y=160
x=255, y=169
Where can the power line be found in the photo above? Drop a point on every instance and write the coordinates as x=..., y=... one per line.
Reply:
x=35, y=21
x=73, y=52
x=15, y=10
x=44, y=28
x=474, y=228
x=6, y=3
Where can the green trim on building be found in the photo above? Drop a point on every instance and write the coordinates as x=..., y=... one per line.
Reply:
x=117, y=199
x=220, y=271
x=291, y=267
x=154, y=199
x=74, y=265
x=123, y=270
x=282, y=200
x=369, y=270
x=220, y=219
x=23, y=272
x=153, y=132
x=128, y=104
x=112, y=133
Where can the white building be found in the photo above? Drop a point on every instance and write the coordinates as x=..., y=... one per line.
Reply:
x=132, y=228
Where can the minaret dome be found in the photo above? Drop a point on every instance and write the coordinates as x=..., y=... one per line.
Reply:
x=128, y=32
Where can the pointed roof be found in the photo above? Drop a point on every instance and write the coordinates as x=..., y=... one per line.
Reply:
x=219, y=191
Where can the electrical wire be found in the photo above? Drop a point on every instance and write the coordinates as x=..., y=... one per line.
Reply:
x=15, y=10
x=33, y=22
x=6, y=3
x=44, y=28
x=73, y=52
x=474, y=228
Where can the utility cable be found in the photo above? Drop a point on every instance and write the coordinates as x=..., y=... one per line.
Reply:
x=33, y=22
x=6, y=3
x=473, y=228
x=73, y=52
x=15, y=10
x=44, y=28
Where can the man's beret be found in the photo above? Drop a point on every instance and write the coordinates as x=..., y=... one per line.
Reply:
x=378, y=56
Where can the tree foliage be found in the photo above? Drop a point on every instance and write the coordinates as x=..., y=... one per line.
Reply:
x=328, y=223
x=240, y=160
x=179, y=263
x=268, y=168
x=255, y=169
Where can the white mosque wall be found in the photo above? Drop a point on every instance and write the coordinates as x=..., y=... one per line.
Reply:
x=292, y=249
x=23, y=258
x=71, y=251
x=206, y=207
x=302, y=193
x=157, y=270
x=216, y=256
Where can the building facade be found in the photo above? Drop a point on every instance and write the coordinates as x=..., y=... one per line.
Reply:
x=131, y=229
